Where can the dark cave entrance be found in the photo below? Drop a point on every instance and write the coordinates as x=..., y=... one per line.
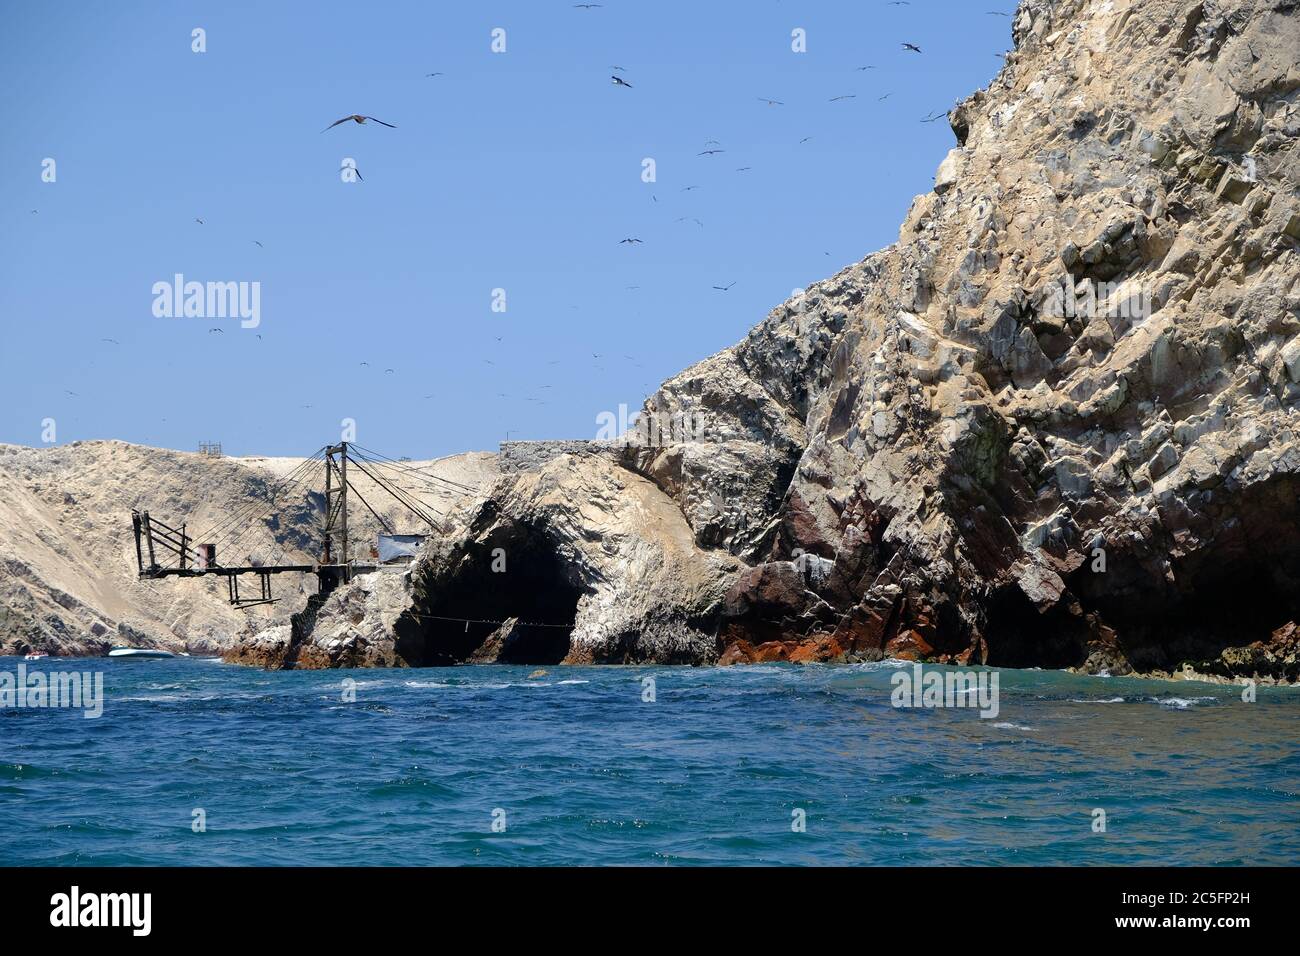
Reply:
x=1235, y=591
x=515, y=573
x=1166, y=607
x=1018, y=635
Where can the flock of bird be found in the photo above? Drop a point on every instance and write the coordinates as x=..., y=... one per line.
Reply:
x=711, y=148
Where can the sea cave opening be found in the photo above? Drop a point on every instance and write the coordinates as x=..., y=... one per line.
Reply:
x=514, y=573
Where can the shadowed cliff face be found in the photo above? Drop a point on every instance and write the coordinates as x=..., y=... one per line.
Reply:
x=1053, y=425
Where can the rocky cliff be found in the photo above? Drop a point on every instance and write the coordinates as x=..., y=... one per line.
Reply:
x=68, y=582
x=1053, y=425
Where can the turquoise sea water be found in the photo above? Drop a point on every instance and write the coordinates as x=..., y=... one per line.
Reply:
x=587, y=772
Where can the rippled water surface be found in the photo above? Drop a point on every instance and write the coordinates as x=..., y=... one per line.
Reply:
x=587, y=772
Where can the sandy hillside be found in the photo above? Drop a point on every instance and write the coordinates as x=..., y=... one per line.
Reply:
x=68, y=582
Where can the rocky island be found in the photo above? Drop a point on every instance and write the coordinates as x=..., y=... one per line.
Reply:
x=1054, y=425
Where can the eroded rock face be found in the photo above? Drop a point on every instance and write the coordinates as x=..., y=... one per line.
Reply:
x=580, y=561
x=1055, y=424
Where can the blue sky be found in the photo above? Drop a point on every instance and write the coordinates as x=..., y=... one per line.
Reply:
x=519, y=170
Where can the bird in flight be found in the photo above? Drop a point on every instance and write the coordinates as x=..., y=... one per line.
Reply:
x=912, y=47
x=723, y=288
x=861, y=68
x=427, y=75
x=218, y=331
x=763, y=99
x=114, y=341
x=587, y=6
x=258, y=244
x=687, y=189
x=743, y=169
x=198, y=220
x=619, y=81
x=354, y=169
x=388, y=371
x=358, y=119
x=804, y=140
x=73, y=394
x=934, y=116
x=845, y=96
x=627, y=241
x=710, y=152
x=885, y=97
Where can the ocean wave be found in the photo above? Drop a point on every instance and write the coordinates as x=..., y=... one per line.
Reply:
x=1096, y=700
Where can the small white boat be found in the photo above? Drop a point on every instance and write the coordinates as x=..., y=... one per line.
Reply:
x=35, y=655
x=139, y=652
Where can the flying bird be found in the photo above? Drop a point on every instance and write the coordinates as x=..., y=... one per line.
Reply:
x=710, y=152
x=885, y=97
x=427, y=74
x=845, y=96
x=763, y=99
x=258, y=244
x=587, y=6
x=358, y=119
x=627, y=241
x=198, y=220
x=935, y=116
x=744, y=169
x=912, y=47
x=687, y=189
x=861, y=68
x=723, y=288
x=619, y=81
x=218, y=331
x=354, y=169
x=804, y=140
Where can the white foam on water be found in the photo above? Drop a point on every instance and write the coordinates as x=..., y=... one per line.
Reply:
x=1004, y=725
x=1097, y=700
x=1181, y=703
x=575, y=682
